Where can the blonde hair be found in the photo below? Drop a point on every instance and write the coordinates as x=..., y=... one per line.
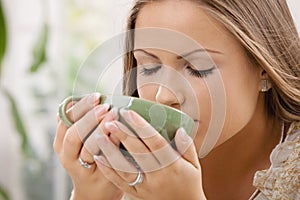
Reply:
x=268, y=34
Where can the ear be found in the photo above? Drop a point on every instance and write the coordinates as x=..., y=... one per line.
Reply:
x=265, y=81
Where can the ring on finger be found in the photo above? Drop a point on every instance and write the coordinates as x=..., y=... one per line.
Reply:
x=138, y=179
x=84, y=163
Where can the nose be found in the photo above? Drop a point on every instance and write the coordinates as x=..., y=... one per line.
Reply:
x=167, y=97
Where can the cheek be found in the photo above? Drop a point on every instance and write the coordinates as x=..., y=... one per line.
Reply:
x=203, y=112
x=235, y=107
x=242, y=96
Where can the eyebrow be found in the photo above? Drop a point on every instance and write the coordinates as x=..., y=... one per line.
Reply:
x=198, y=50
x=148, y=53
x=180, y=56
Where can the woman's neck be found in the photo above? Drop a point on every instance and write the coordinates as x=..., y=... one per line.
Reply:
x=229, y=169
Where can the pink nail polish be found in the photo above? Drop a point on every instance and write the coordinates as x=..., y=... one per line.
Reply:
x=100, y=110
x=133, y=118
x=115, y=113
x=127, y=116
x=93, y=98
x=183, y=136
x=111, y=126
x=101, y=160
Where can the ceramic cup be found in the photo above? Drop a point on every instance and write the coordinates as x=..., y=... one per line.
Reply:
x=166, y=120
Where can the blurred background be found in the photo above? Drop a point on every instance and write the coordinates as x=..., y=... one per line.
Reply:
x=42, y=45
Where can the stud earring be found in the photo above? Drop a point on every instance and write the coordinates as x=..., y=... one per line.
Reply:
x=264, y=85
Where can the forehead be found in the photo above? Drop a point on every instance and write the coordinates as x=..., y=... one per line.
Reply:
x=184, y=18
x=172, y=14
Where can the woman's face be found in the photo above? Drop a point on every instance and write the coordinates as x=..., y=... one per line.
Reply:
x=191, y=82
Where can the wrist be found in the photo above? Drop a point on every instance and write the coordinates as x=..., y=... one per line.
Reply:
x=75, y=195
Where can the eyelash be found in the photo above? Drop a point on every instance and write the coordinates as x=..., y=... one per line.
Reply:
x=193, y=72
x=200, y=73
x=149, y=71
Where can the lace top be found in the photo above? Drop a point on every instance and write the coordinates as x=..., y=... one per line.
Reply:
x=282, y=179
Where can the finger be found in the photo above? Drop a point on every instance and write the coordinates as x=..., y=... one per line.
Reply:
x=136, y=148
x=60, y=133
x=115, y=140
x=92, y=118
x=59, y=137
x=116, y=159
x=77, y=133
x=87, y=157
x=111, y=116
x=79, y=109
x=186, y=147
x=153, y=140
x=112, y=176
x=144, y=130
x=123, y=172
x=90, y=144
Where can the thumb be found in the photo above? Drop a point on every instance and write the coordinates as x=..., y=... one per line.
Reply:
x=186, y=148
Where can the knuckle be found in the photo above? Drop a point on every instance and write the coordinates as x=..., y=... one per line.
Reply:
x=157, y=142
x=71, y=136
x=129, y=176
x=86, y=156
x=124, y=134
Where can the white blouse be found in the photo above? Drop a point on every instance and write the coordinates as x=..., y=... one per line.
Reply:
x=282, y=180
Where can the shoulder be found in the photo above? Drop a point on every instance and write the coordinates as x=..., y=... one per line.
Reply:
x=282, y=179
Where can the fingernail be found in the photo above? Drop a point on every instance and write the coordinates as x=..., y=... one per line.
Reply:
x=96, y=158
x=93, y=98
x=101, y=109
x=132, y=117
x=115, y=112
x=111, y=126
x=183, y=136
x=126, y=115
x=100, y=159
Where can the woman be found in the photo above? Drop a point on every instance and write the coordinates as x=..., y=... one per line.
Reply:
x=255, y=49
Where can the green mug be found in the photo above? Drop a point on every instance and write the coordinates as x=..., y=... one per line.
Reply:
x=166, y=120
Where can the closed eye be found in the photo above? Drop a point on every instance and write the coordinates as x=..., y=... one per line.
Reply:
x=148, y=71
x=200, y=73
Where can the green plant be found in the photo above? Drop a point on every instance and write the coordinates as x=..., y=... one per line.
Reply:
x=2, y=36
x=39, y=55
x=3, y=192
x=39, y=50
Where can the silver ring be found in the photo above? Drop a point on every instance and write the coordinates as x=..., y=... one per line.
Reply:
x=84, y=164
x=138, y=179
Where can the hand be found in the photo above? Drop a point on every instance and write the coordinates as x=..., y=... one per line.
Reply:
x=89, y=183
x=167, y=174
